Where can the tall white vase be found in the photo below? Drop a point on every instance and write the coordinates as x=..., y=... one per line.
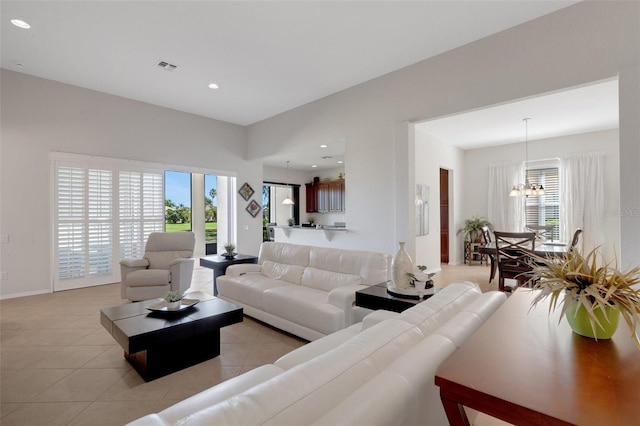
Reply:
x=400, y=266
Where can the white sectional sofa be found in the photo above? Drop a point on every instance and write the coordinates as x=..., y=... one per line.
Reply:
x=376, y=372
x=304, y=290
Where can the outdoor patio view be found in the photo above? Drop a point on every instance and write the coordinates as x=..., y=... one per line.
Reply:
x=178, y=204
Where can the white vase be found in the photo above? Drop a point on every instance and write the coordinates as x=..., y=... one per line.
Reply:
x=400, y=266
x=172, y=306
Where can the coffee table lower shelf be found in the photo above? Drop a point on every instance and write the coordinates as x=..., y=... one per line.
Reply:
x=161, y=360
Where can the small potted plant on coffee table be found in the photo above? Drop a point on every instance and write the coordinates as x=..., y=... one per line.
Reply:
x=229, y=251
x=173, y=299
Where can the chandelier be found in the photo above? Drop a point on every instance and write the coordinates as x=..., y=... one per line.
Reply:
x=526, y=189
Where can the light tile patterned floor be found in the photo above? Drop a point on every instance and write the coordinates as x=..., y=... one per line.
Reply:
x=58, y=366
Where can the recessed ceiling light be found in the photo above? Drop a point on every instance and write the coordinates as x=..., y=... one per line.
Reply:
x=20, y=24
x=315, y=165
x=213, y=86
x=340, y=161
x=323, y=146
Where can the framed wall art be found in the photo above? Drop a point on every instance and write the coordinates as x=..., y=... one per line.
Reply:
x=253, y=208
x=246, y=191
x=422, y=210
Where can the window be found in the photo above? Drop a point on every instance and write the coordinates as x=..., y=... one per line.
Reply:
x=544, y=210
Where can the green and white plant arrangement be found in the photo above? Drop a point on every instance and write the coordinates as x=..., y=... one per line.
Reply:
x=592, y=296
x=173, y=299
x=419, y=275
x=229, y=250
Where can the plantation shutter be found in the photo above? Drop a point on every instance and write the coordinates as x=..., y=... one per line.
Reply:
x=84, y=226
x=104, y=211
x=545, y=209
x=141, y=210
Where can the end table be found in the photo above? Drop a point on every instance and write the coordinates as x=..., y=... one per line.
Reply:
x=219, y=265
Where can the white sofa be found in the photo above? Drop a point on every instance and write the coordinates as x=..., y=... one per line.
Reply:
x=304, y=290
x=376, y=372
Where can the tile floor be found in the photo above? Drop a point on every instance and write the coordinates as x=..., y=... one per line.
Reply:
x=58, y=366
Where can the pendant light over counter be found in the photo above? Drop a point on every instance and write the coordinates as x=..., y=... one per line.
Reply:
x=288, y=201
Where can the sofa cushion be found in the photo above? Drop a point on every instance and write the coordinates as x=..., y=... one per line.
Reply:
x=249, y=288
x=305, y=306
x=290, y=254
x=282, y=271
x=434, y=312
x=148, y=277
x=327, y=280
x=302, y=394
x=373, y=268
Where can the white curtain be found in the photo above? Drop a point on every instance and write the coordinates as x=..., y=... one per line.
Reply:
x=582, y=198
x=505, y=213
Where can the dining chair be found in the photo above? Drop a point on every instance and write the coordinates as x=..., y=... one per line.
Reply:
x=486, y=235
x=543, y=232
x=513, y=251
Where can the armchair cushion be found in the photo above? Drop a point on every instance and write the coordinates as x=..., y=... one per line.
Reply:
x=148, y=277
x=135, y=263
x=163, y=259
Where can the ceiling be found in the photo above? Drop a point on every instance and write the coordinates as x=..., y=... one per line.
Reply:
x=578, y=110
x=266, y=56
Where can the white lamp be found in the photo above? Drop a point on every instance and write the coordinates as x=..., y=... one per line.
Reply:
x=288, y=201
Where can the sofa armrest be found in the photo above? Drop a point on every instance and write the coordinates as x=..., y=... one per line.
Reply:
x=345, y=298
x=135, y=263
x=181, y=273
x=130, y=265
x=242, y=268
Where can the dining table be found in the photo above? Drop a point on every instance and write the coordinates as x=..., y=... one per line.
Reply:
x=541, y=248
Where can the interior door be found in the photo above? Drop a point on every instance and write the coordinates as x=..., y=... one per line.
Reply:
x=444, y=216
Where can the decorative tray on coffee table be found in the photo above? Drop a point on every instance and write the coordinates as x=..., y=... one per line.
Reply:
x=409, y=293
x=163, y=307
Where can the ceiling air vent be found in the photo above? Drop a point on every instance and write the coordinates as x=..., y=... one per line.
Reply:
x=166, y=66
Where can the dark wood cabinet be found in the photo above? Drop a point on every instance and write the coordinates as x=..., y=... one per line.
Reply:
x=325, y=197
x=312, y=198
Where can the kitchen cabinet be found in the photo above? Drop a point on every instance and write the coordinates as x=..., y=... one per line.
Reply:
x=326, y=197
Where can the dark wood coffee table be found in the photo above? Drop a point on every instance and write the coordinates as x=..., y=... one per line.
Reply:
x=157, y=344
x=376, y=297
x=219, y=264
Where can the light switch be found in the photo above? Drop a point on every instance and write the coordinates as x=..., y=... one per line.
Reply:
x=4, y=238
x=4, y=275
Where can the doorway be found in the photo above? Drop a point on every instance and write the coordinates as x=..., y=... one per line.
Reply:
x=444, y=216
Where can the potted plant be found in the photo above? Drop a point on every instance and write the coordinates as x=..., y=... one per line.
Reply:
x=173, y=299
x=473, y=228
x=592, y=296
x=291, y=222
x=229, y=250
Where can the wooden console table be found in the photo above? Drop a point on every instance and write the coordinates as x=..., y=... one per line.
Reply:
x=523, y=367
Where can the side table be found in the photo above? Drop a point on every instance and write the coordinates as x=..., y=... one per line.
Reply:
x=219, y=265
x=376, y=297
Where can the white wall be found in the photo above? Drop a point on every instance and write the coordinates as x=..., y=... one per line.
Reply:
x=477, y=174
x=430, y=156
x=40, y=116
x=587, y=42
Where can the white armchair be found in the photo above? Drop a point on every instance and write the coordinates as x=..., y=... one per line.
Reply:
x=167, y=265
